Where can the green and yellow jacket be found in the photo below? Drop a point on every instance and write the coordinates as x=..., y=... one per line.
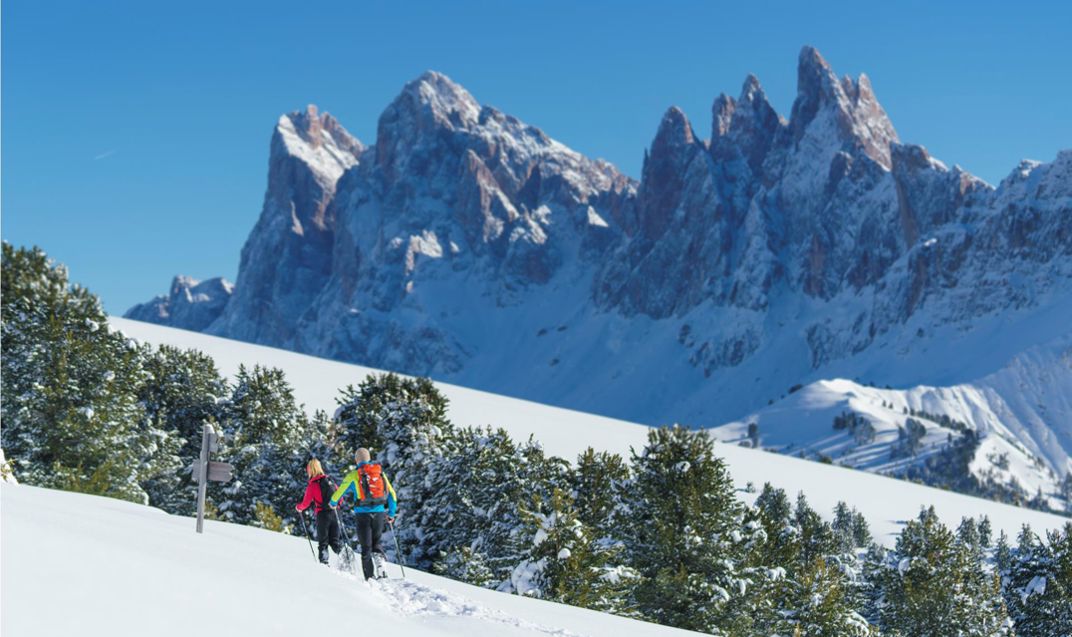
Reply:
x=351, y=485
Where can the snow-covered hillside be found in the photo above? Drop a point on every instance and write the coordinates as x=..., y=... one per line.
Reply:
x=84, y=565
x=887, y=503
x=871, y=428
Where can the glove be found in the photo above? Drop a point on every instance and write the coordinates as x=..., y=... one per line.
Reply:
x=297, y=507
x=390, y=519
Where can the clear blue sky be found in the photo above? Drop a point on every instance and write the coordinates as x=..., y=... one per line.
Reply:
x=135, y=134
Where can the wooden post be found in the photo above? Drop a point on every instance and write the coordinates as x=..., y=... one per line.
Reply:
x=208, y=445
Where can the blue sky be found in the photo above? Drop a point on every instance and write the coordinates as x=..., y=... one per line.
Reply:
x=135, y=134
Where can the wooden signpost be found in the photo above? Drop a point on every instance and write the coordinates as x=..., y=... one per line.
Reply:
x=208, y=470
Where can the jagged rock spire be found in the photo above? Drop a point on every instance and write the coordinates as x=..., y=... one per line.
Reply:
x=745, y=127
x=846, y=106
x=664, y=171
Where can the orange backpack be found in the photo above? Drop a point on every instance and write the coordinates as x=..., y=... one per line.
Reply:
x=373, y=485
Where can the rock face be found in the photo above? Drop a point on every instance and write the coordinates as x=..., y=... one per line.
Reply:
x=191, y=304
x=287, y=257
x=470, y=246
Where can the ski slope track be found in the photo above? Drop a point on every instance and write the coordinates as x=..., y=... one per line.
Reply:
x=886, y=502
x=85, y=565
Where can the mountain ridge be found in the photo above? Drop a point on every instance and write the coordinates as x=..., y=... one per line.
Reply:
x=467, y=245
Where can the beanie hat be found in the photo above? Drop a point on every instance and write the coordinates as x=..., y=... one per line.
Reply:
x=362, y=455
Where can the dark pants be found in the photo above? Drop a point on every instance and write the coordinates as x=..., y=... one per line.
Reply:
x=327, y=533
x=369, y=531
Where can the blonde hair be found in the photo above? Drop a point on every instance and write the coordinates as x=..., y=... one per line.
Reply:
x=362, y=455
x=313, y=469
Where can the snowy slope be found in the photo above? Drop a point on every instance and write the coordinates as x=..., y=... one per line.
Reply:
x=887, y=503
x=803, y=424
x=85, y=565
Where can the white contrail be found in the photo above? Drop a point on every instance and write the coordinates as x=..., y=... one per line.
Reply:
x=106, y=154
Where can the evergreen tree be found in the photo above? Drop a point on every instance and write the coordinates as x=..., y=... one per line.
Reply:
x=71, y=417
x=265, y=437
x=817, y=539
x=601, y=481
x=396, y=418
x=683, y=541
x=482, y=486
x=985, y=532
x=1038, y=584
x=936, y=587
x=569, y=564
x=818, y=603
x=182, y=392
x=869, y=593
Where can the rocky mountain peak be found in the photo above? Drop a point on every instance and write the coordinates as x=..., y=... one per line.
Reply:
x=845, y=111
x=425, y=114
x=675, y=132
x=317, y=140
x=189, y=305
x=664, y=169
x=744, y=127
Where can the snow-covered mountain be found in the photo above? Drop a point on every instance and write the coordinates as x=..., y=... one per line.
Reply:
x=992, y=429
x=191, y=303
x=469, y=246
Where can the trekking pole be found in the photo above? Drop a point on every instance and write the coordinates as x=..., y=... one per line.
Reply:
x=348, y=556
x=301, y=516
x=398, y=551
x=342, y=528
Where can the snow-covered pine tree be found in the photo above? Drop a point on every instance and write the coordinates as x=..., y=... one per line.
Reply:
x=322, y=443
x=684, y=538
x=265, y=435
x=842, y=527
x=819, y=603
x=934, y=587
x=568, y=563
x=807, y=577
x=780, y=547
x=71, y=418
x=182, y=391
x=1038, y=584
x=479, y=490
x=403, y=422
x=869, y=594
x=601, y=481
x=817, y=538
x=985, y=532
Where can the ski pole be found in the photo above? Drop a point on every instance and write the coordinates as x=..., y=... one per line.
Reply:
x=398, y=550
x=301, y=516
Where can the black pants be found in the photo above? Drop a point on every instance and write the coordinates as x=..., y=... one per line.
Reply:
x=327, y=533
x=369, y=531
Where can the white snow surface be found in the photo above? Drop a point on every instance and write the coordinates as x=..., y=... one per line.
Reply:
x=1008, y=409
x=887, y=503
x=83, y=565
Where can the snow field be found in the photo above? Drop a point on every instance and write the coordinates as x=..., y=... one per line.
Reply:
x=83, y=565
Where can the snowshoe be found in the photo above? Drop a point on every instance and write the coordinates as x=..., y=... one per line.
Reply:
x=348, y=560
x=378, y=561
